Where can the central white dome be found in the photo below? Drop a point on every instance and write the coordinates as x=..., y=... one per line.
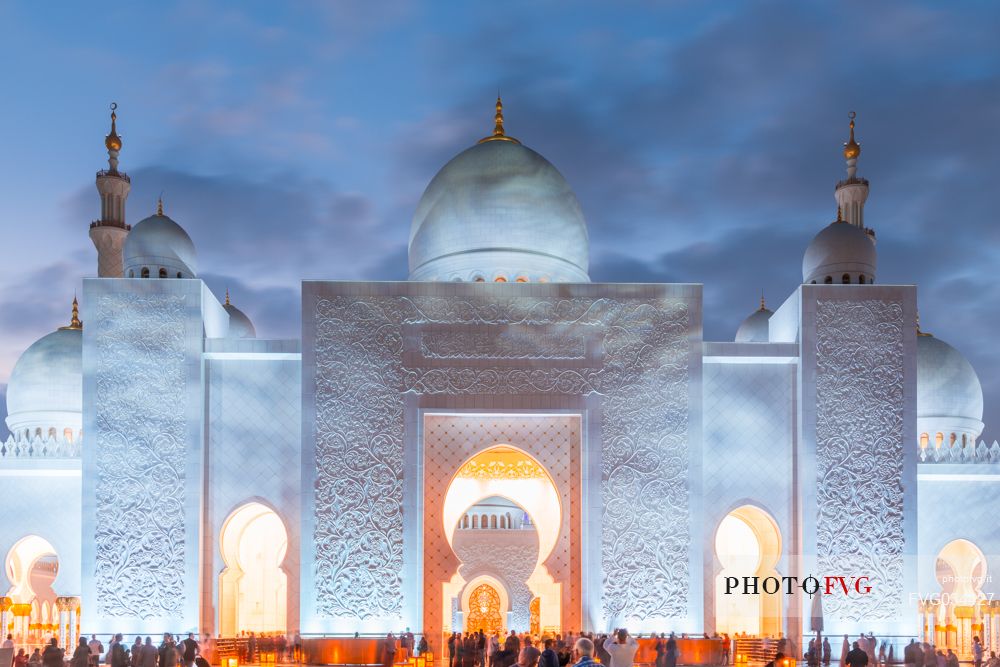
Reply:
x=499, y=211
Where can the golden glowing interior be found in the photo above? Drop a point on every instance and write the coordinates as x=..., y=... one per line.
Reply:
x=253, y=587
x=506, y=472
x=747, y=544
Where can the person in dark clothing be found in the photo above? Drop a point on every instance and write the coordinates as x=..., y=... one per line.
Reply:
x=778, y=657
x=119, y=654
x=910, y=653
x=856, y=657
x=826, y=652
x=512, y=643
x=191, y=648
x=670, y=659
x=52, y=656
x=81, y=656
x=548, y=657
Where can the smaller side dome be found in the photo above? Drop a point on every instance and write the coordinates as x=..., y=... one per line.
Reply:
x=158, y=247
x=45, y=391
x=755, y=328
x=240, y=325
x=840, y=253
x=949, y=394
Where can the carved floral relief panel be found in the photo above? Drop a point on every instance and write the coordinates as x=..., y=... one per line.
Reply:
x=360, y=379
x=140, y=442
x=859, y=452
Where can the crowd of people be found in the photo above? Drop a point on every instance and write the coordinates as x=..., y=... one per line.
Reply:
x=618, y=649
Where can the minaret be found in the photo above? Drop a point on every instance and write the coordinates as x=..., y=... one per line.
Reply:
x=852, y=192
x=108, y=233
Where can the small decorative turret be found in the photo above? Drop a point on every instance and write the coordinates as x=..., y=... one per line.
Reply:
x=498, y=131
x=108, y=233
x=74, y=323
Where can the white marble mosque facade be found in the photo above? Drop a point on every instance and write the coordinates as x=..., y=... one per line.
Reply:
x=815, y=416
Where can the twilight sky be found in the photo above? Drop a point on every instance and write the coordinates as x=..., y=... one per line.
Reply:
x=293, y=140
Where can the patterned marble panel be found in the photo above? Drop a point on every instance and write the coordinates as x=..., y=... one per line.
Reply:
x=141, y=455
x=859, y=452
x=359, y=382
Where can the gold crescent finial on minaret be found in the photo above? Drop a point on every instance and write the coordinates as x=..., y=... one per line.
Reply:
x=159, y=205
x=227, y=297
x=498, y=131
x=113, y=142
x=762, y=306
x=852, y=149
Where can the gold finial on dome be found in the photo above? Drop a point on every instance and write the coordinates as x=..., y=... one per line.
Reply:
x=852, y=148
x=840, y=215
x=74, y=324
x=919, y=332
x=113, y=142
x=227, y=297
x=498, y=131
x=762, y=305
x=159, y=205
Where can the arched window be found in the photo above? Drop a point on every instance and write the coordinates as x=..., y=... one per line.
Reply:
x=938, y=440
x=479, y=279
x=68, y=434
x=179, y=274
x=521, y=279
x=509, y=525
x=475, y=521
x=145, y=272
x=484, y=522
x=163, y=273
x=829, y=280
x=503, y=523
x=52, y=433
x=813, y=282
x=951, y=439
x=846, y=279
x=493, y=521
x=924, y=440
x=500, y=279
x=963, y=440
x=861, y=279
x=465, y=521
x=131, y=273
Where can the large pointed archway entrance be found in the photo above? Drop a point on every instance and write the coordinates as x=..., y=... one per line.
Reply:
x=530, y=463
x=747, y=544
x=253, y=586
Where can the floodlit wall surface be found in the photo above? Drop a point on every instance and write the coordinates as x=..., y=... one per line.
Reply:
x=253, y=451
x=143, y=463
x=628, y=356
x=858, y=460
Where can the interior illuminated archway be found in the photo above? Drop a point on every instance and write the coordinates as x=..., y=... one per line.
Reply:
x=961, y=570
x=508, y=472
x=747, y=544
x=32, y=566
x=253, y=586
x=485, y=604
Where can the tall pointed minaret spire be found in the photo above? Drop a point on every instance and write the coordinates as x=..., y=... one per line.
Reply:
x=108, y=233
x=498, y=131
x=852, y=192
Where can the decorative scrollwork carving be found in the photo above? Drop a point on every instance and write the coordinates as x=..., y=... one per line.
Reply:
x=859, y=451
x=140, y=442
x=360, y=381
